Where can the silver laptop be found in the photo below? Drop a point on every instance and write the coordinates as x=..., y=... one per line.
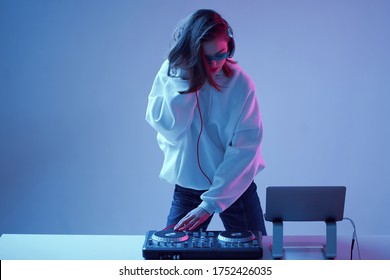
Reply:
x=305, y=203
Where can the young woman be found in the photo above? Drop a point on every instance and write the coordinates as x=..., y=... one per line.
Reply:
x=205, y=110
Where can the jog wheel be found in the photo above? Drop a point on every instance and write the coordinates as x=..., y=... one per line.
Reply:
x=170, y=236
x=236, y=236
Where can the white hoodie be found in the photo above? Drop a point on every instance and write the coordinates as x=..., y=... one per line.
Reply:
x=230, y=143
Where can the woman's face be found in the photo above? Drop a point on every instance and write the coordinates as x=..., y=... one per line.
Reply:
x=216, y=52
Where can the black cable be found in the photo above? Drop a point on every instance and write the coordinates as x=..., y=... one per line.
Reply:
x=352, y=245
x=354, y=240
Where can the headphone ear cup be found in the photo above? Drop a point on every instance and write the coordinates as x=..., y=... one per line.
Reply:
x=231, y=44
x=231, y=47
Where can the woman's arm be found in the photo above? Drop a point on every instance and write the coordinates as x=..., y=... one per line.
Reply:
x=168, y=111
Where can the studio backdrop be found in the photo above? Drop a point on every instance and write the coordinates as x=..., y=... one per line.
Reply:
x=77, y=156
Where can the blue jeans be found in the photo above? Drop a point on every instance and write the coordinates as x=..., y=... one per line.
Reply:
x=244, y=214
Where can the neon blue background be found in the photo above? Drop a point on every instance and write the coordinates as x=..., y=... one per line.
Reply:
x=76, y=155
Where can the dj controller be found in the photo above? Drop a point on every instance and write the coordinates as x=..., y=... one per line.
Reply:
x=174, y=245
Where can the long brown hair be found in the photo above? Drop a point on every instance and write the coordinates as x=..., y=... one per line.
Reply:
x=187, y=52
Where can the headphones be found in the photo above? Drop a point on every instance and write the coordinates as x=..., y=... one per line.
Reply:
x=231, y=44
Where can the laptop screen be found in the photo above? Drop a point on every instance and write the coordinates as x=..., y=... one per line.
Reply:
x=305, y=203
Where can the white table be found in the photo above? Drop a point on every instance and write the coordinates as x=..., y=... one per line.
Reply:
x=129, y=247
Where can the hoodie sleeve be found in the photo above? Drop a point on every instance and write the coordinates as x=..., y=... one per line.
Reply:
x=242, y=160
x=169, y=112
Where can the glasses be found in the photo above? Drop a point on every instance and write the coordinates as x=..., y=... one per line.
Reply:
x=218, y=56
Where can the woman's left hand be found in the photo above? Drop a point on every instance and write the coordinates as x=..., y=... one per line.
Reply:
x=193, y=219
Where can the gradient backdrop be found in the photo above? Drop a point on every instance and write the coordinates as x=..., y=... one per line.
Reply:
x=77, y=156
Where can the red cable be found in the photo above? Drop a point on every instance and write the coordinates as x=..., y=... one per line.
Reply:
x=197, y=144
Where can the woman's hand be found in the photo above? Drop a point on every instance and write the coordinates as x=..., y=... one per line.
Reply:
x=180, y=73
x=193, y=219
